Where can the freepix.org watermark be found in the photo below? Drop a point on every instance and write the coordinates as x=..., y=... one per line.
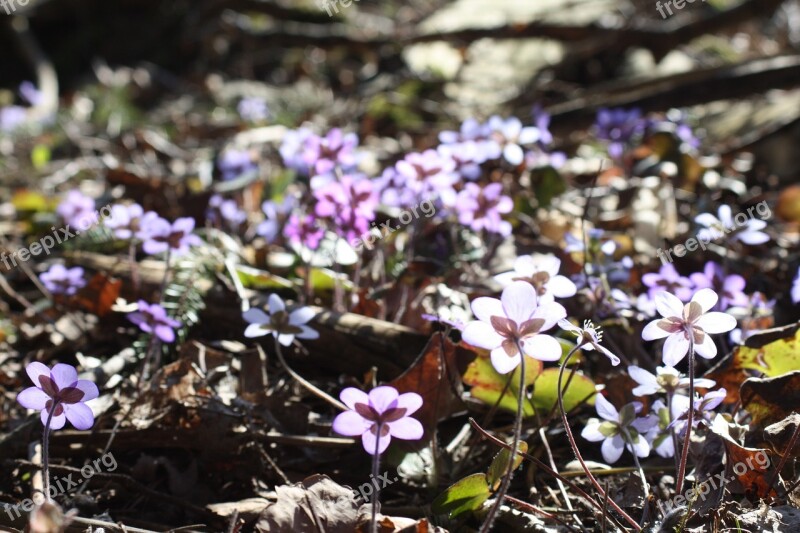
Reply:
x=10, y=6
x=63, y=484
x=369, y=238
x=691, y=244
x=702, y=490
x=58, y=236
x=678, y=4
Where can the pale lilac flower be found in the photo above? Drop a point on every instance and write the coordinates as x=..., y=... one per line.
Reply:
x=753, y=316
x=689, y=324
x=538, y=158
x=160, y=236
x=517, y=319
x=730, y=288
x=541, y=121
x=304, y=230
x=59, y=390
x=12, y=117
x=541, y=271
x=796, y=288
x=349, y=201
x=124, y=220
x=426, y=175
x=510, y=134
x=618, y=429
x=703, y=409
x=225, y=210
x=30, y=93
x=619, y=127
x=234, y=163
x=276, y=215
x=482, y=208
x=659, y=436
x=336, y=149
x=668, y=279
x=467, y=157
x=253, y=109
x=384, y=410
x=153, y=319
x=589, y=338
x=61, y=280
x=666, y=379
x=283, y=325
x=291, y=150
x=75, y=208
x=748, y=232
x=471, y=130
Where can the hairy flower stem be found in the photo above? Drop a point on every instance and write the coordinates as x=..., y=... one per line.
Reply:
x=376, y=463
x=300, y=379
x=487, y=523
x=574, y=445
x=46, y=452
x=689, y=419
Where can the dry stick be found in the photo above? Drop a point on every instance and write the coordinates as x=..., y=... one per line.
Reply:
x=300, y=379
x=689, y=419
x=487, y=524
x=574, y=445
x=545, y=468
x=784, y=457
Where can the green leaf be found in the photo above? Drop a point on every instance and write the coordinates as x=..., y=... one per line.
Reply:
x=40, y=156
x=499, y=465
x=463, y=496
x=547, y=184
x=545, y=391
x=775, y=358
x=253, y=278
x=488, y=385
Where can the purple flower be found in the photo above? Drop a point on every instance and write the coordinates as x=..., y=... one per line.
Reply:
x=30, y=93
x=684, y=325
x=510, y=134
x=541, y=271
x=703, y=409
x=225, y=210
x=618, y=429
x=383, y=410
x=12, y=117
x=753, y=317
x=323, y=154
x=541, y=120
x=515, y=321
x=729, y=288
x=796, y=288
x=76, y=208
x=253, y=109
x=748, y=231
x=59, y=390
x=589, y=338
x=276, y=214
x=159, y=235
x=60, y=280
x=668, y=279
x=666, y=379
x=467, y=157
x=619, y=126
x=283, y=325
x=426, y=175
x=234, y=163
x=124, y=220
x=304, y=231
x=350, y=201
x=481, y=208
x=291, y=149
x=153, y=319
x=538, y=158
x=471, y=130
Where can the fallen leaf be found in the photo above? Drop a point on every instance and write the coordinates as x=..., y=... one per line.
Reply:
x=770, y=400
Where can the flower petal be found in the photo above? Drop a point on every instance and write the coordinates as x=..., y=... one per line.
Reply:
x=255, y=315
x=707, y=299
x=668, y=305
x=484, y=308
x=675, y=348
x=382, y=398
x=33, y=398
x=57, y=422
x=307, y=333
x=276, y=304
x=79, y=415
x=542, y=347
x=519, y=301
x=716, y=322
x=707, y=349
x=351, y=396
x=36, y=369
x=482, y=335
x=165, y=333
x=641, y=447
x=285, y=339
x=561, y=287
x=298, y=317
x=653, y=331
x=89, y=389
x=255, y=330
x=502, y=362
x=406, y=428
x=369, y=440
x=591, y=431
x=612, y=448
x=350, y=424
x=64, y=375
x=410, y=401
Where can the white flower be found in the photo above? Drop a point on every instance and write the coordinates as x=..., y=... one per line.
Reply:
x=618, y=429
x=666, y=379
x=541, y=271
x=285, y=326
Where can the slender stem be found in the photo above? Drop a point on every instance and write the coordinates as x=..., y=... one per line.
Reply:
x=300, y=379
x=376, y=461
x=46, y=451
x=487, y=523
x=574, y=445
x=166, y=273
x=133, y=265
x=689, y=419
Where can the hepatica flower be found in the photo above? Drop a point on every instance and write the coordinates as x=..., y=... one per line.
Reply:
x=541, y=271
x=589, y=338
x=482, y=208
x=323, y=154
x=124, y=220
x=304, y=230
x=703, y=409
x=668, y=279
x=730, y=288
x=61, y=392
x=383, y=410
x=659, y=436
x=687, y=324
x=666, y=379
x=75, y=208
x=153, y=319
x=284, y=325
x=160, y=236
x=748, y=230
x=61, y=280
x=510, y=134
x=619, y=127
x=517, y=319
x=350, y=201
x=253, y=109
x=234, y=163
x=618, y=429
